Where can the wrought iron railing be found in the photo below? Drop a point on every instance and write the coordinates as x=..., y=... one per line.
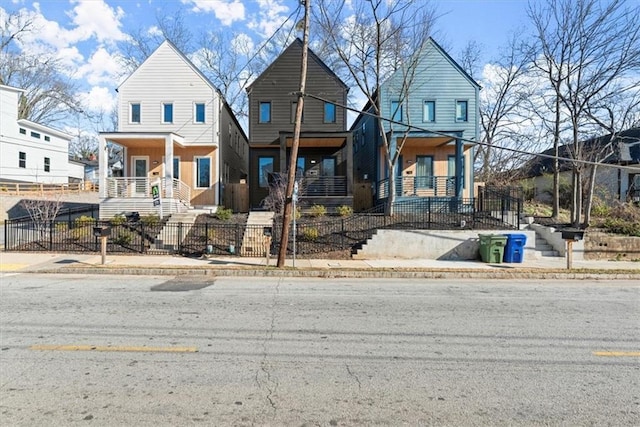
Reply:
x=150, y=235
x=421, y=186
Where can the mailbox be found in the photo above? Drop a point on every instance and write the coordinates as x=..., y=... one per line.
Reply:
x=267, y=231
x=572, y=234
x=101, y=231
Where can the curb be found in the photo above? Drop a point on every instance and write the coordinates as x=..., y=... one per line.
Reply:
x=347, y=273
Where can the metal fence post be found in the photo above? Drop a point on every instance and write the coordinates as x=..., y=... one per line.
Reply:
x=179, y=237
x=141, y=237
x=237, y=246
x=50, y=234
x=342, y=234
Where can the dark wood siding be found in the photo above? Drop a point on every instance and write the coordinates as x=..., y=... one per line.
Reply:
x=278, y=85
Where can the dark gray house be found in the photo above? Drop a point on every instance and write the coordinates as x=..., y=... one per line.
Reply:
x=325, y=161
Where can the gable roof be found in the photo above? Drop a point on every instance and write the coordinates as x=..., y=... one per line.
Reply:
x=625, y=149
x=444, y=53
x=181, y=55
x=297, y=43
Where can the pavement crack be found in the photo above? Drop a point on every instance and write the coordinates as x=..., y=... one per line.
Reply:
x=355, y=377
x=264, y=377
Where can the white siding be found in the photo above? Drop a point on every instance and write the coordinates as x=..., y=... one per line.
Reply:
x=166, y=77
x=12, y=142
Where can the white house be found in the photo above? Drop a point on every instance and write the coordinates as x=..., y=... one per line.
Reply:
x=30, y=152
x=176, y=130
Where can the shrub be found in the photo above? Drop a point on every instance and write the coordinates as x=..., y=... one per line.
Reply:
x=150, y=220
x=224, y=214
x=310, y=234
x=61, y=226
x=83, y=221
x=600, y=210
x=317, y=211
x=118, y=220
x=82, y=232
x=344, y=210
x=124, y=238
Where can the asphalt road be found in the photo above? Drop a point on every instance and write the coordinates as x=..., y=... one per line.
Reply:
x=137, y=350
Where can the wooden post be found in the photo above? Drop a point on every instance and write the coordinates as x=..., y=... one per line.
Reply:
x=103, y=248
x=569, y=254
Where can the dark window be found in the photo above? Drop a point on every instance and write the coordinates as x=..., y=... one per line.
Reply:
x=199, y=113
x=265, y=112
x=47, y=138
x=35, y=135
x=461, y=111
x=23, y=131
x=396, y=111
x=167, y=113
x=135, y=113
x=451, y=170
x=176, y=167
x=22, y=159
x=265, y=168
x=294, y=106
x=203, y=172
x=329, y=112
x=424, y=172
x=47, y=164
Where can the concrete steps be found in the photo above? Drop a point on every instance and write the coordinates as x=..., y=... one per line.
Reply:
x=171, y=235
x=254, y=242
x=544, y=249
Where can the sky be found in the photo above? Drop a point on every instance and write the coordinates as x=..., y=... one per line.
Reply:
x=85, y=33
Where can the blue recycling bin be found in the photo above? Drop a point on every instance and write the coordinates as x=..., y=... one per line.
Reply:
x=514, y=249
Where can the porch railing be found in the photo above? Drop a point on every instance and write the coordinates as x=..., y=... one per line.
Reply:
x=323, y=186
x=131, y=187
x=421, y=186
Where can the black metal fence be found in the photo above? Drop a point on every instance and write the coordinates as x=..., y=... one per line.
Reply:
x=313, y=236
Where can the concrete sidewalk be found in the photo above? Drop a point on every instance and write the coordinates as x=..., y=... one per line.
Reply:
x=21, y=262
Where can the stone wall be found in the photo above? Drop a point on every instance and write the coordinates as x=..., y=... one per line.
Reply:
x=600, y=245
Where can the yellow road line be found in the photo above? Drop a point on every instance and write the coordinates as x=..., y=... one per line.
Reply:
x=114, y=348
x=11, y=267
x=617, y=353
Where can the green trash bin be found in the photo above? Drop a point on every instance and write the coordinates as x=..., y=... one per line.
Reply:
x=492, y=247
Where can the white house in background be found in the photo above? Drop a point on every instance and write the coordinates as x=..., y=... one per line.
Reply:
x=30, y=152
x=176, y=130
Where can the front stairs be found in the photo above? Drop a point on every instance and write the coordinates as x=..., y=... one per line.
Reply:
x=254, y=241
x=169, y=239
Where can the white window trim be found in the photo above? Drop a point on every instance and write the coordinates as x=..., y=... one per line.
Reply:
x=195, y=172
x=195, y=111
x=131, y=104
x=162, y=112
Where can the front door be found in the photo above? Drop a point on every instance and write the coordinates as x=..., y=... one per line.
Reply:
x=140, y=167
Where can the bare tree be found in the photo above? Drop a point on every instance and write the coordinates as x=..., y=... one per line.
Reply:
x=43, y=211
x=373, y=40
x=49, y=89
x=585, y=47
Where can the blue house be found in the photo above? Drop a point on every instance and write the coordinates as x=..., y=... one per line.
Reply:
x=433, y=105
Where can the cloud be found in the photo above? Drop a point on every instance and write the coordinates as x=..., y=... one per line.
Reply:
x=99, y=99
x=270, y=16
x=102, y=67
x=95, y=18
x=227, y=11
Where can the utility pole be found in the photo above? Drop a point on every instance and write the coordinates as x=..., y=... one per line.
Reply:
x=286, y=217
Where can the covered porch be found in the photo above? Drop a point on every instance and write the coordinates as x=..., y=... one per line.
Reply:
x=429, y=166
x=159, y=160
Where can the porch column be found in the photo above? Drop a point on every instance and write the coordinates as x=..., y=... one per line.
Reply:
x=283, y=154
x=459, y=181
x=168, y=166
x=103, y=164
x=350, y=164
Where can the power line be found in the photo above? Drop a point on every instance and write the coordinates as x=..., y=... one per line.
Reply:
x=513, y=150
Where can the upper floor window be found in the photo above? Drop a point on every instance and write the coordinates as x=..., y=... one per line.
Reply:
x=329, y=112
x=265, y=112
x=22, y=159
x=198, y=113
x=35, y=135
x=461, y=111
x=23, y=131
x=294, y=107
x=134, y=112
x=396, y=111
x=47, y=138
x=429, y=111
x=47, y=164
x=167, y=112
